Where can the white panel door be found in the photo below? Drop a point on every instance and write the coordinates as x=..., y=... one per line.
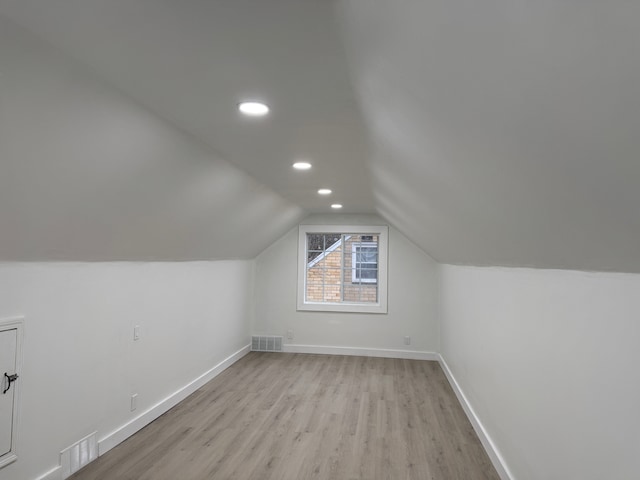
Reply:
x=8, y=347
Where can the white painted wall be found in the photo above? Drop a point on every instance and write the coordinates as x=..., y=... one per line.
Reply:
x=80, y=361
x=412, y=298
x=549, y=361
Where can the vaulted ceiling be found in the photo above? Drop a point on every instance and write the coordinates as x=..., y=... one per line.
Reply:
x=492, y=133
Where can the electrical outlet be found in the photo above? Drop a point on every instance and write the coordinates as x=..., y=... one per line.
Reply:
x=136, y=332
x=407, y=340
x=134, y=401
x=290, y=334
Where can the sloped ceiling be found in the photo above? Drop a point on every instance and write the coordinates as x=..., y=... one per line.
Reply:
x=505, y=133
x=86, y=174
x=192, y=61
x=493, y=133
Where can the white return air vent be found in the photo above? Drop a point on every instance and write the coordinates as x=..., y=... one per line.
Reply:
x=266, y=343
x=78, y=455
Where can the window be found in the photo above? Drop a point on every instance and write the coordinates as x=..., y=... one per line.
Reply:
x=342, y=268
x=364, y=259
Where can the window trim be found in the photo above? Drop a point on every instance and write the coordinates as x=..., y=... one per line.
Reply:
x=383, y=246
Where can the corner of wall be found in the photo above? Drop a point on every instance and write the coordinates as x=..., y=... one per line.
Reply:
x=496, y=458
x=252, y=296
x=439, y=316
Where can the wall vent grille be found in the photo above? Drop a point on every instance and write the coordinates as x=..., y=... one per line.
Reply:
x=78, y=455
x=266, y=343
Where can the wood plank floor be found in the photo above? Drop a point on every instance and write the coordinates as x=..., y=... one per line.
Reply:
x=293, y=416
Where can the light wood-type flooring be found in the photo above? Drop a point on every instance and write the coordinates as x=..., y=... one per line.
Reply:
x=293, y=416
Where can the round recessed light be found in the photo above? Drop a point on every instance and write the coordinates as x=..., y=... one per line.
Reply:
x=302, y=165
x=253, y=109
x=324, y=191
x=336, y=206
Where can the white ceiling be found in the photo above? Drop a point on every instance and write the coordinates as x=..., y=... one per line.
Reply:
x=86, y=174
x=192, y=61
x=496, y=132
x=506, y=132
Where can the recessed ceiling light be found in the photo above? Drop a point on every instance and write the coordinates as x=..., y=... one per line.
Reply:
x=253, y=109
x=336, y=206
x=324, y=191
x=302, y=165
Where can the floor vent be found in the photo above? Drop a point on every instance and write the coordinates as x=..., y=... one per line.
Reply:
x=78, y=455
x=266, y=343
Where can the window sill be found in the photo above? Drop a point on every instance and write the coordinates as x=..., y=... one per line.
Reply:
x=343, y=307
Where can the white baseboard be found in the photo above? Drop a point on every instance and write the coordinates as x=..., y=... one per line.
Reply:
x=53, y=474
x=122, y=433
x=491, y=449
x=361, y=352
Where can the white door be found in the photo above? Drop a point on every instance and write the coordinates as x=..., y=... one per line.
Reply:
x=8, y=348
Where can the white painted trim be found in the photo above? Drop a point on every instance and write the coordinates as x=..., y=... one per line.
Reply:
x=361, y=352
x=125, y=431
x=8, y=458
x=383, y=249
x=494, y=454
x=53, y=474
x=17, y=323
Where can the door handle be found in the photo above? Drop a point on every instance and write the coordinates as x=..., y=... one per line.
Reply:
x=10, y=380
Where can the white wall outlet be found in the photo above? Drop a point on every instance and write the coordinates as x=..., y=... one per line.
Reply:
x=290, y=334
x=134, y=401
x=407, y=340
x=136, y=332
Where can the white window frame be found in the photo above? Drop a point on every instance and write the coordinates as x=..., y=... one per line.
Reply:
x=354, y=262
x=382, y=231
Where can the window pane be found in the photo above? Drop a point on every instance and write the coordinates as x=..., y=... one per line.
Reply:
x=331, y=239
x=369, y=255
x=314, y=292
x=315, y=241
x=315, y=245
x=317, y=263
x=351, y=293
x=333, y=259
x=332, y=293
x=369, y=274
x=361, y=293
x=332, y=276
x=341, y=268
